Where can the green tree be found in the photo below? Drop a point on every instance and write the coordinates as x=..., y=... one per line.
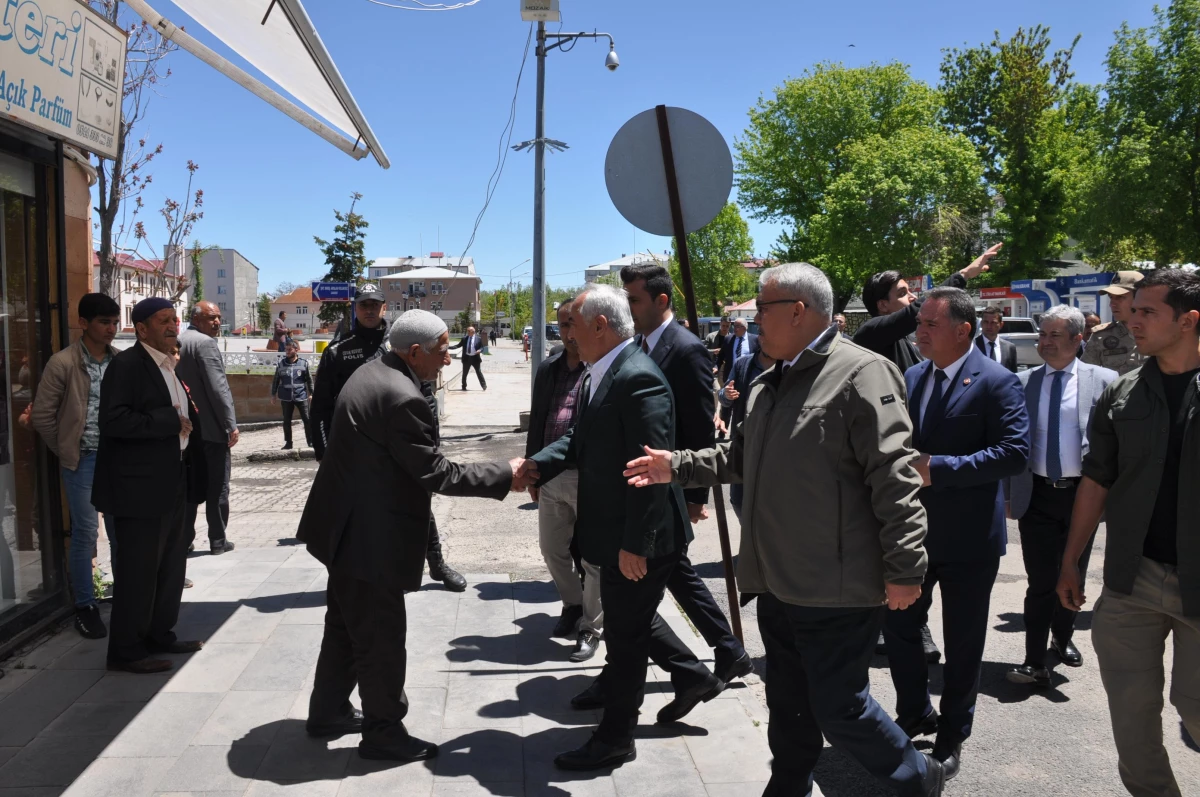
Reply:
x=197, y=257
x=716, y=252
x=264, y=311
x=1010, y=98
x=344, y=257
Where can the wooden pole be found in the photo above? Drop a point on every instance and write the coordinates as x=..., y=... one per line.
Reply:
x=689, y=295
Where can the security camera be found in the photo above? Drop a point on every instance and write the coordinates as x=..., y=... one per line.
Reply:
x=611, y=61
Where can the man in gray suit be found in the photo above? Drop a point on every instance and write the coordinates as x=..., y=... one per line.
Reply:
x=1060, y=396
x=202, y=368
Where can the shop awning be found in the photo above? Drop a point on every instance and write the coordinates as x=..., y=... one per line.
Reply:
x=278, y=39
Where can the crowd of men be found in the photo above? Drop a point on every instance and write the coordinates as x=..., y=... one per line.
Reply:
x=870, y=473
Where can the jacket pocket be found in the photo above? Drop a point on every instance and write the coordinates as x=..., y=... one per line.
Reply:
x=1133, y=429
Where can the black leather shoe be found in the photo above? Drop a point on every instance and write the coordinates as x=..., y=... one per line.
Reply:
x=286, y=447
x=220, y=546
x=935, y=777
x=688, y=699
x=1069, y=654
x=405, y=748
x=1028, y=674
x=567, y=621
x=178, y=646
x=88, y=623
x=340, y=727
x=932, y=654
x=440, y=571
x=590, y=698
x=923, y=727
x=734, y=668
x=950, y=757
x=585, y=648
x=596, y=755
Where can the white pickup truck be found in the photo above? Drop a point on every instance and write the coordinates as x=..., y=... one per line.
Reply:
x=1023, y=332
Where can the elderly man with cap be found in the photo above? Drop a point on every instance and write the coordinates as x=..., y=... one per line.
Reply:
x=1112, y=345
x=366, y=341
x=149, y=436
x=384, y=444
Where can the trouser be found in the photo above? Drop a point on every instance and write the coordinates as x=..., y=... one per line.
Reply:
x=966, y=589
x=365, y=631
x=475, y=362
x=85, y=527
x=1129, y=633
x=818, y=685
x=1044, y=529
x=302, y=408
x=434, y=543
x=216, y=497
x=556, y=529
x=630, y=611
x=148, y=579
x=696, y=601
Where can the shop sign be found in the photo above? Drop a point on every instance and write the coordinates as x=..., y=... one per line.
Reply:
x=993, y=293
x=62, y=67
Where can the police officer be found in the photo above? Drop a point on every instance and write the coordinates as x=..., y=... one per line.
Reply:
x=365, y=341
x=1112, y=345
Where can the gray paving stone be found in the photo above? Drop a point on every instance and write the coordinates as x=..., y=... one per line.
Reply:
x=492, y=754
x=6, y=753
x=482, y=701
x=246, y=717
x=88, y=654
x=165, y=726
x=296, y=636
x=112, y=777
x=196, y=794
x=733, y=750
x=14, y=680
x=663, y=768
x=277, y=554
x=751, y=789
x=311, y=788
x=277, y=668
x=214, y=669
x=28, y=710
x=42, y=656
x=214, y=768
x=248, y=573
x=309, y=610
x=93, y=719
x=246, y=625
x=51, y=761
x=294, y=756
x=297, y=576
x=125, y=688
x=487, y=789
x=370, y=778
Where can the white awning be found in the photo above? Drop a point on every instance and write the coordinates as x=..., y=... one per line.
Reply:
x=277, y=38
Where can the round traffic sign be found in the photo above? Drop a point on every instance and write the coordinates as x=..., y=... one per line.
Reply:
x=637, y=179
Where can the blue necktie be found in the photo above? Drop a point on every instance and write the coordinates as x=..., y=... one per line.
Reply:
x=1053, y=458
x=936, y=408
x=737, y=348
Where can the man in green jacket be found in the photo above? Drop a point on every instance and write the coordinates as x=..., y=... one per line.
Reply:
x=1143, y=470
x=832, y=532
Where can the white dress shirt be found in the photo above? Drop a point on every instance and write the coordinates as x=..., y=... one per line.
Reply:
x=653, y=338
x=601, y=366
x=951, y=372
x=995, y=355
x=1070, y=437
x=179, y=396
x=739, y=347
x=472, y=347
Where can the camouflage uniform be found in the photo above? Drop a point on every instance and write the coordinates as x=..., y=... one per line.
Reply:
x=1112, y=346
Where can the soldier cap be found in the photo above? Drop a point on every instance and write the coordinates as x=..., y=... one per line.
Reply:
x=1124, y=283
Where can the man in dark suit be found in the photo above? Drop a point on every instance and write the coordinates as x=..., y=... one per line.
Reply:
x=472, y=356
x=737, y=344
x=1059, y=397
x=972, y=431
x=991, y=321
x=684, y=361
x=383, y=446
x=149, y=447
x=635, y=536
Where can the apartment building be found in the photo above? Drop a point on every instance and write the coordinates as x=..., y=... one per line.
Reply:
x=439, y=290
x=138, y=279
x=231, y=282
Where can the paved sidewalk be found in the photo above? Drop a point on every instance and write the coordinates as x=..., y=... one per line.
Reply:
x=485, y=682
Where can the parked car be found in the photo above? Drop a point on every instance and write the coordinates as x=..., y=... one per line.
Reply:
x=1023, y=333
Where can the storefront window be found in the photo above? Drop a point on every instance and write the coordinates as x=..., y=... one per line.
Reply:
x=27, y=569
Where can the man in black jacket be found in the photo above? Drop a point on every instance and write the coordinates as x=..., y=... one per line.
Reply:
x=147, y=465
x=636, y=539
x=384, y=445
x=682, y=358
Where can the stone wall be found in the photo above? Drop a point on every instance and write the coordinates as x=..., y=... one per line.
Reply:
x=252, y=398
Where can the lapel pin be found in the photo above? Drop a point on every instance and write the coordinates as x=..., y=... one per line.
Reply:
x=966, y=381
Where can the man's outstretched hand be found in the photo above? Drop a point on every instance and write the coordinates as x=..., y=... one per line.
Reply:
x=981, y=263
x=654, y=468
x=525, y=473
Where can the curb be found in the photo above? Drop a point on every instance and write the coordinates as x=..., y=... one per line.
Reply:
x=294, y=455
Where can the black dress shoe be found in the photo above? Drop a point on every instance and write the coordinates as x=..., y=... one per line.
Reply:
x=567, y=621
x=590, y=698
x=220, y=547
x=734, y=668
x=950, y=756
x=440, y=571
x=1069, y=654
x=585, y=648
x=932, y=654
x=351, y=723
x=923, y=727
x=935, y=777
x=144, y=666
x=1028, y=674
x=688, y=699
x=596, y=755
x=88, y=622
x=403, y=748
x=179, y=646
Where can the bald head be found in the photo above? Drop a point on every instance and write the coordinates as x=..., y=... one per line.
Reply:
x=206, y=317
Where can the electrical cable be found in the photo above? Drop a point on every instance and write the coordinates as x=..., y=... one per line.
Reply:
x=425, y=6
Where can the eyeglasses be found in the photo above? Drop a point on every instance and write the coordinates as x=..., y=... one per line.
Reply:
x=759, y=304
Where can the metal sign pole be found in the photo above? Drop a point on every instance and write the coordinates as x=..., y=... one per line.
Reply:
x=689, y=293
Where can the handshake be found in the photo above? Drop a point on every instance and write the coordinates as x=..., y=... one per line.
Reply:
x=525, y=474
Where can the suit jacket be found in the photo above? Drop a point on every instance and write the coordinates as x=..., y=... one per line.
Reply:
x=725, y=358
x=202, y=368
x=982, y=440
x=1008, y=351
x=539, y=407
x=687, y=365
x=138, y=459
x=1092, y=381
x=368, y=509
x=631, y=407
x=887, y=335
x=480, y=342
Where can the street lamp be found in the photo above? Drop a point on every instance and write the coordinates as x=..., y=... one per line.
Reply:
x=539, y=143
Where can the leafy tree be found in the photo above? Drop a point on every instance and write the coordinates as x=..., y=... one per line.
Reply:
x=344, y=257
x=197, y=258
x=1010, y=98
x=716, y=252
x=264, y=311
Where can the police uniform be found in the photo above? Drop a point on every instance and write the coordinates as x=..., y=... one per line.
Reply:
x=341, y=359
x=1112, y=345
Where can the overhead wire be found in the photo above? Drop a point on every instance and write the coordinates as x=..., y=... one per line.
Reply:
x=425, y=6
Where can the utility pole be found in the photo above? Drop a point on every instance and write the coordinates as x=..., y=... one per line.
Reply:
x=537, y=340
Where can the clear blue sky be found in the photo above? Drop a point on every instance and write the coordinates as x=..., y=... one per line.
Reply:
x=436, y=88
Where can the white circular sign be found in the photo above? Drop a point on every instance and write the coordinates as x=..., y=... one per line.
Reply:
x=637, y=179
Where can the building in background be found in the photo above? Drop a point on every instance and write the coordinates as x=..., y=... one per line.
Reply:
x=302, y=310
x=138, y=279
x=593, y=273
x=438, y=290
x=230, y=281
x=387, y=266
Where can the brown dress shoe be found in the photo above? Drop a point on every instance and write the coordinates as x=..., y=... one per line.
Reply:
x=144, y=666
